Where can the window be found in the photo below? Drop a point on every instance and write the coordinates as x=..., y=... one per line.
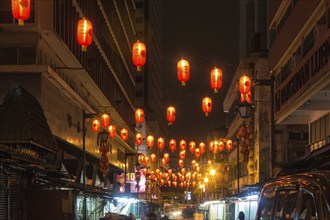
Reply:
x=139, y=79
x=307, y=210
x=285, y=207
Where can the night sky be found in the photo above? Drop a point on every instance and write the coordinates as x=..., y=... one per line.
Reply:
x=205, y=32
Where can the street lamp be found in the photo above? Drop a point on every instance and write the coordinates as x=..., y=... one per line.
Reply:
x=245, y=109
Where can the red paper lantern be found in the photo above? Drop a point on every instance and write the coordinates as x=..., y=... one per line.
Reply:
x=175, y=183
x=164, y=163
x=202, y=147
x=182, y=154
x=244, y=84
x=167, y=157
x=161, y=143
x=139, y=55
x=192, y=146
x=150, y=141
x=105, y=119
x=246, y=97
x=215, y=147
x=193, y=164
x=172, y=145
x=96, y=125
x=211, y=146
x=221, y=146
x=170, y=114
x=138, y=138
x=112, y=131
x=170, y=171
x=146, y=159
x=84, y=33
x=181, y=163
x=139, y=115
x=207, y=105
x=21, y=10
x=124, y=134
x=141, y=158
x=197, y=153
x=229, y=145
x=216, y=79
x=153, y=158
x=183, y=145
x=183, y=70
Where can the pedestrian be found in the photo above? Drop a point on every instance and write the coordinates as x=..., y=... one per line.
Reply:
x=241, y=215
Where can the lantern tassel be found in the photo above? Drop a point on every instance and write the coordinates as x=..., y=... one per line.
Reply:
x=215, y=91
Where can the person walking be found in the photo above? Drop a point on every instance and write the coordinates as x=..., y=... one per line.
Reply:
x=241, y=215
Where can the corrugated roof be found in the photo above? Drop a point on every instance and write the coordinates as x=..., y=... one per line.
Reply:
x=22, y=120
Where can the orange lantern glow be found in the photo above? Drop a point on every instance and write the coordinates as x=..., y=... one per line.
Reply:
x=198, y=169
x=21, y=10
x=161, y=143
x=244, y=84
x=139, y=55
x=221, y=146
x=192, y=146
x=153, y=158
x=207, y=105
x=84, y=33
x=181, y=163
x=170, y=171
x=183, y=70
x=144, y=171
x=193, y=164
x=246, y=97
x=183, y=171
x=215, y=147
x=112, y=131
x=229, y=145
x=170, y=114
x=146, y=159
x=182, y=154
x=141, y=158
x=164, y=163
x=138, y=138
x=124, y=134
x=197, y=153
x=172, y=145
x=167, y=157
x=211, y=146
x=202, y=147
x=209, y=162
x=150, y=141
x=139, y=116
x=216, y=79
x=175, y=183
x=183, y=145
x=105, y=119
x=96, y=125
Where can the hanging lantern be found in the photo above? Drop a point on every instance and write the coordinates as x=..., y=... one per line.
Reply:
x=167, y=157
x=183, y=70
x=112, y=131
x=181, y=163
x=164, y=163
x=124, y=134
x=96, y=125
x=215, y=147
x=183, y=171
x=183, y=145
x=221, y=146
x=216, y=79
x=211, y=146
x=144, y=171
x=139, y=116
x=105, y=119
x=197, y=153
x=246, y=97
x=153, y=158
x=192, y=146
x=182, y=154
x=209, y=162
x=229, y=145
x=172, y=145
x=193, y=164
x=139, y=55
x=146, y=159
x=244, y=84
x=21, y=10
x=141, y=158
x=150, y=141
x=170, y=114
x=202, y=147
x=207, y=105
x=138, y=138
x=161, y=143
x=175, y=183
x=198, y=169
x=170, y=171
x=84, y=33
